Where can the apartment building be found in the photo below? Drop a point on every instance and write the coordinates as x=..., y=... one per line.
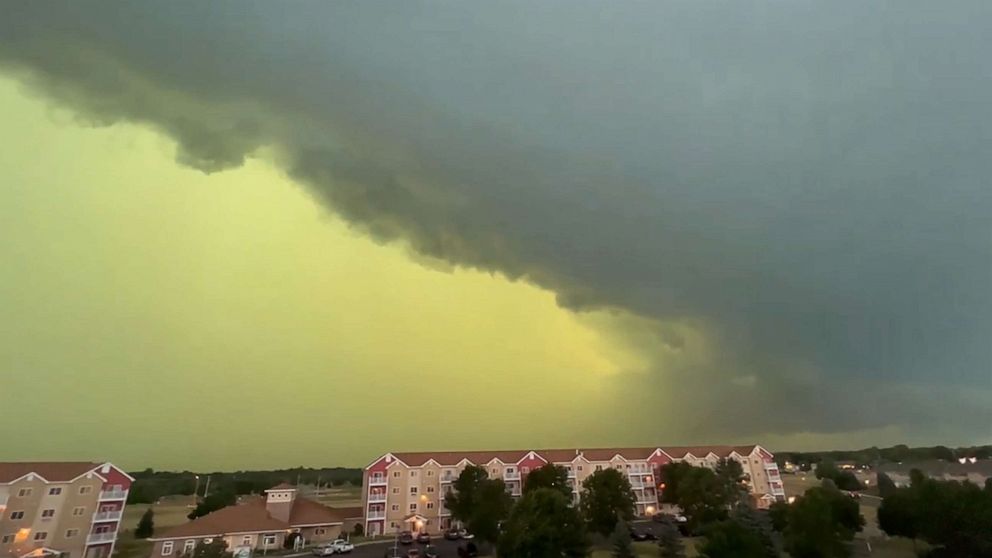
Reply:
x=68, y=509
x=405, y=491
x=262, y=524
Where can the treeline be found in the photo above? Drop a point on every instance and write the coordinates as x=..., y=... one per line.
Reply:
x=895, y=454
x=150, y=485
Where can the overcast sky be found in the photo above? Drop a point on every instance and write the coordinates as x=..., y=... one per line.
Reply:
x=757, y=221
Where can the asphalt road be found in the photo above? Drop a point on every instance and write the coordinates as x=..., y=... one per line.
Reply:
x=446, y=549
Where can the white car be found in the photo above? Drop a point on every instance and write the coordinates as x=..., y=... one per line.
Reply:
x=337, y=546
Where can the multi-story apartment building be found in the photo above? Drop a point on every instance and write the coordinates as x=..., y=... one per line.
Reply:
x=405, y=491
x=69, y=509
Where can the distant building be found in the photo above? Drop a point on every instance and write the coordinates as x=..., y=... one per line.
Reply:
x=68, y=509
x=257, y=524
x=405, y=491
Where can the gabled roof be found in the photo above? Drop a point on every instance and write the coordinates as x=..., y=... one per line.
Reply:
x=454, y=458
x=251, y=516
x=50, y=471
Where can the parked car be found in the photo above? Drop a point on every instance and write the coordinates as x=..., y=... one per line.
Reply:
x=322, y=550
x=341, y=546
x=406, y=537
x=423, y=538
x=642, y=535
x=464, y=534
x=452, y=534
x=430, y=551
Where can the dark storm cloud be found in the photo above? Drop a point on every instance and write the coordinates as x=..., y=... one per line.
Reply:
x=809, y=181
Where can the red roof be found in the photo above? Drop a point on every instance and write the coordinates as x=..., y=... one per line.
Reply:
x=51, y=471
x=251, y=516
x=450, y=458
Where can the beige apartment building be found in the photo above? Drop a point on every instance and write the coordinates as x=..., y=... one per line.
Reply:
x=405, y=491
x=259, y=524
x=69, y=509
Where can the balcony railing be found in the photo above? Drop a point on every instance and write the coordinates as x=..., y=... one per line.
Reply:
x=98, y=538
x=112, y=515
x=636, y=483
x=377, y=514
x=377, y=480
x=113, y=494
x=377, y=497
x=511, y=476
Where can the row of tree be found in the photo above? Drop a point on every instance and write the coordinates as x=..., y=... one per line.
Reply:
x=955, y=518
x=715, y=502
x=895, y=454
x=150, y=485
x=844, y=480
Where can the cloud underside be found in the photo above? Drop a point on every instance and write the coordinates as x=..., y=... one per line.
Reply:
x=787, y=206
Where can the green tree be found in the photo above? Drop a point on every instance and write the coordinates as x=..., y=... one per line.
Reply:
x=778, y=514
x=549, y=476
x=670, y=540
x=492, y=507
x=821, y=523
x=698, y=491
x=826, y=470
x=214, y=549
x=761, y=526
x=461, y=501
x=146, y=525
x=885, y=484
x=544, y=524
x=731, y=539
x=731, y=474
x=623, y=546
x=606, y=499
x=215, y=501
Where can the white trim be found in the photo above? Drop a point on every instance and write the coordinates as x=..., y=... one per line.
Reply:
x=157, y=539
x=295, y=526
x=496, y=459
x=622, y=458
x=392, y=459
x=464, y=460
x=531, y=455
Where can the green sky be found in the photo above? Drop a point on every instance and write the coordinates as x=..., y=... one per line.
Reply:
x=153, y=317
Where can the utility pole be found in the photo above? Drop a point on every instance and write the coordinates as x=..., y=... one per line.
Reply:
x=206, y=489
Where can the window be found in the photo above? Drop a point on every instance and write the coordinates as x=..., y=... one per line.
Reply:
x=15, y=515
x=413, y=507
x=509, y=470
x=525, y=470
x=413, y=491
x=319, y=531
x=392, y=524
x=6, y=539
x=579, y=468
x=396, y=490
x=396, y=507
x=47, y=514
x=78, y=511
x=430, y=505
x=270, y=540
x=413, y=473
x=430, y=489
x=246, y=540
x=599, y=467
x=85, y=489
x=71, y=533
x=40, y=536
x=188, y=546
x=24, y=493
x=396, y=474
x=430, y=473
x=55, y=491
x=166, y=548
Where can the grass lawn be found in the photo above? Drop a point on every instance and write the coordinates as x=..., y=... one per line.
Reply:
x=647, y=549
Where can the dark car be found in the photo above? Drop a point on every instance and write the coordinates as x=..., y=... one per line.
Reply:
x=423, y=538
x=430, y=551
x=406, y=537
x=452, y=534
x=638, y=535
x=468, y=551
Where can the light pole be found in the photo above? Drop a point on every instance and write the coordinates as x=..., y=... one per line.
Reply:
x=196, y=489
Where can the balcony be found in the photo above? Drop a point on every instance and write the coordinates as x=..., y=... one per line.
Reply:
x=376, y=514
x=511, y=476
x=101, y=538
x=571, y=473
x=377, y=498
x=377, y=480
x=636, y=483
x=113, y=494
x=113, y=515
